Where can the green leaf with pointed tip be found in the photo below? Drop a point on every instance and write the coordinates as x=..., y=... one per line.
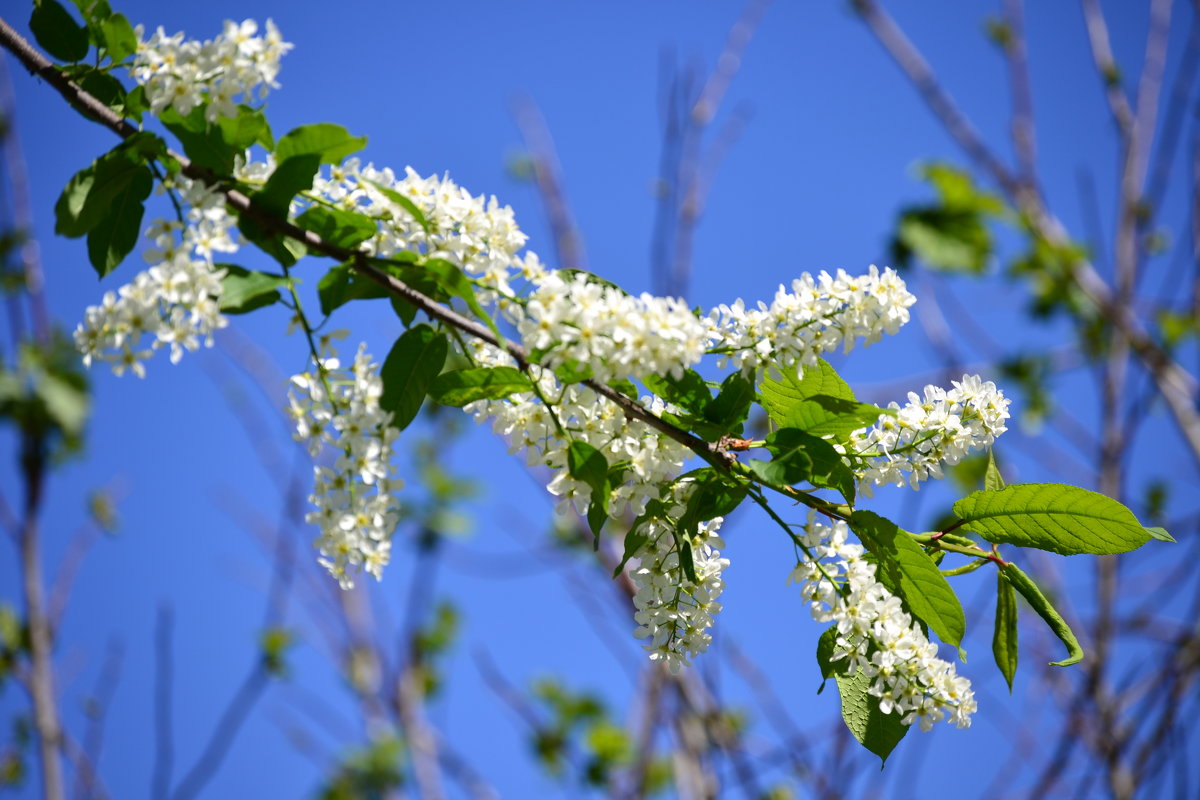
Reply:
x=687, y=559
x=637, y=537
x=91, y=194
x=798, y=457
x=1161, y=534
x=119, y=38
x=1004, y=636
x=117, y=232
x=570, y=275
x=57, y=31
x=784, y=397
x=338, y=226
x=625, y=387
x=454, y=283
x=729, y=409
x=1039, y=603
x=1052, y=516
x=249, y=127
x=874, y=730
x=993, y=481
x=826, y=645
x=244, y=290
x=328, y=142
x=588, y=465
x=409, y=370
x=689, y=391
x=341, y=284
x=405, y=203
x=462, y=386
x=204, y=144
x=906, y=569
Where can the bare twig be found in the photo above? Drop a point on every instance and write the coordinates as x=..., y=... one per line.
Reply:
x=86, y=782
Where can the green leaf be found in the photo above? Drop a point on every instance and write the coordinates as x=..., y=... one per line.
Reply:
x=1004, y=637
x=1161, y=534
x=409, y=370
x=338, y=226
x=908, y=572
x=117, y=232
x=57, y=31
x=119, y=38
x=462, y=386
x=204, y=144
x=687, y=559
x=689, y=391
x=92, y=192
x=1038, y=602
x=572, y=371
x=342, y=284
x=291, y=177
x=820, y=402
x=826, y=645
x=1052, y=516
x=244, y=290
x=328, y=142
x=993, y=481
x=588, y=465
x=248, y=128
x=874, y=730
x=799, y=457
x=729, y=409
x=451, y=279
x=105, y=88
x=625, y=387
x=405, y=203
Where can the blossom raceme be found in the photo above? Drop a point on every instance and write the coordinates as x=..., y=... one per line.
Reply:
x=236, y=66
x=875, y=634
x=174, y=303
x=935, y=428
x=672, y=613
x=819, y=315
x=336, y=409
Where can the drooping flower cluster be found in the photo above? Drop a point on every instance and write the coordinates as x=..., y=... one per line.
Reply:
x=176, y=302
x=612, y=334
x=673, y=614
x=817, y=316
x=937, y=428
x=234, y=67
x=650, y=459
x=338, y=408
x=876, y=635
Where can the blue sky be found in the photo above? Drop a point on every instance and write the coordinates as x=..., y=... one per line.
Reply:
x=814, y=182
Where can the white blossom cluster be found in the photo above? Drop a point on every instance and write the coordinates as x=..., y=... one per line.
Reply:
x=651, y=459
x=612, y=333
x=876, y=635
x=938, y=428
x=235, y=66
x=476, y=234
x=176, y=302
x=817, y=316
x=672, y=613
x=338, y=408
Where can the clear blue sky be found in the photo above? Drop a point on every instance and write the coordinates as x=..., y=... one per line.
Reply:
x=814, y=182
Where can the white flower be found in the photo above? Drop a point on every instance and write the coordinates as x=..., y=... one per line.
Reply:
x=938, y=427
x=875, y=635
x=817, y=316
x=339, y=409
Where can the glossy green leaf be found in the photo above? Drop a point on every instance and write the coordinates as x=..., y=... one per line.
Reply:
x=57, y=31
x=1039, y=603
x=244, y=290
x=1004, y=636
x=119, y=38
x=993, y=481
x=409, y=370
x=454, y=283
x=1161, y=534
x=588, y=465
x=204, y=144
x=117, y=233
x=689, y=391
x=338, y=226
x=826, y=645
x=908, y=572
x=874, y=730
x=328, y=142
x=462, y=386
x=343, y=283
x=784, y=397
x=729, y=409
x=248, y=127
x=404, y=202
x=105, y=88
x=91, y=193
x=1052, y=516
x=799, y=457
